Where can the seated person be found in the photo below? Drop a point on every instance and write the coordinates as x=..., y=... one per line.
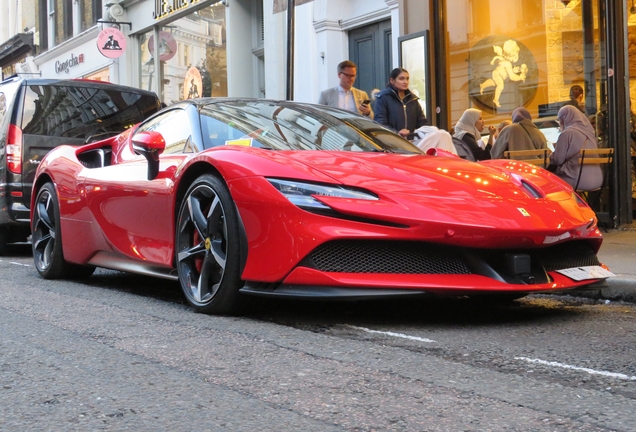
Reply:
x=431, y=137
x=522, y=134
x=468, y=129
x=577, y=133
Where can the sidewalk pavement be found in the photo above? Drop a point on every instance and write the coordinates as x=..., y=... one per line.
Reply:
x=618, y=252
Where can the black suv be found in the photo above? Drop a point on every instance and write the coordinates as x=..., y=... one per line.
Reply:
x=39, y=114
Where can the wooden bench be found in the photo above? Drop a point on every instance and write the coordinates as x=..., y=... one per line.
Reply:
x=534, y=157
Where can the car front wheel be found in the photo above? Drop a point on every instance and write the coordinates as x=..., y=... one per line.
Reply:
x=207, y=247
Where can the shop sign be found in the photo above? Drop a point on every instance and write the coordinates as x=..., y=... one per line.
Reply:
x=111, y=43
x=163, y=8
x=192, y=84
x=8, y=71
x=72, y=61
x=167, y=46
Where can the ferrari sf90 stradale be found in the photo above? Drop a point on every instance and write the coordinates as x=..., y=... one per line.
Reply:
x=236, y=197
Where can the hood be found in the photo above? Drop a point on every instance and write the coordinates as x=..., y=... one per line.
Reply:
x=435, y=177
x=444, y=190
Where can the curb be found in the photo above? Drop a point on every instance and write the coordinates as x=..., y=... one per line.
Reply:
x=618, y=288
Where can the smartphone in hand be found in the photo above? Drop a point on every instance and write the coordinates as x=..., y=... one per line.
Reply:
x=366, y=102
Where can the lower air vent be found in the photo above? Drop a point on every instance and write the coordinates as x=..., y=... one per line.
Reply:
x=385, y=257
x=568, y=255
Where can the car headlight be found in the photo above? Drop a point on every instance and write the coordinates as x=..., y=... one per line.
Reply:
x=302, y=194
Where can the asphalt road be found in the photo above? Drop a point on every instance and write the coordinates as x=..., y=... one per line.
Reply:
x=123, y=352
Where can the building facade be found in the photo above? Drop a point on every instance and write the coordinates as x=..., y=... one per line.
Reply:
x=494, y=55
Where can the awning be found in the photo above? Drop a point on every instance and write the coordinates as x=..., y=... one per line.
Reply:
x=16, y=48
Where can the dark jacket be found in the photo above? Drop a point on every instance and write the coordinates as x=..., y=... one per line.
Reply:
x=398, y=114
x=478, y=152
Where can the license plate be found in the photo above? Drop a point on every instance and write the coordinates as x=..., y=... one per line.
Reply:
x=585, y=273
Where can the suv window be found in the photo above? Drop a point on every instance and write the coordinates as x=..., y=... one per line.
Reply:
x=86, y=113
x=7, y=94
x=3, y=106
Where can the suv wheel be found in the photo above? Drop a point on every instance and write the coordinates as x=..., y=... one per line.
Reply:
x=4, y=241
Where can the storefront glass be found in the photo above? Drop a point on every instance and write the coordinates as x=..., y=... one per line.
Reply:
x=503, y=54
x=100, y=75
x=631, y=52
x=192, y=56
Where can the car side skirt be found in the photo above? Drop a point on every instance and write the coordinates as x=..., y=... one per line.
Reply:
x=113, y=262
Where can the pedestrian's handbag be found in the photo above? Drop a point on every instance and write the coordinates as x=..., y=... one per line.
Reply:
x=463, y=151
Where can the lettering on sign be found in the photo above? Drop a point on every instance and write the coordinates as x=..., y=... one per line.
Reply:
x=163, y=8
x=72, y=61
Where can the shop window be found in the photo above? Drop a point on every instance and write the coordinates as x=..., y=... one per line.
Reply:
x=186, y=55
x=67, y=19
x=192, y=56
x=41, y=37
x=503, y=54
x=91, y=13
x=147, y=67
x=52, y=24
x=631, y=53
x=100, y=75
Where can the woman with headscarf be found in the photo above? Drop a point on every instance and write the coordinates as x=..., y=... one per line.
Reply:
x=576, y=133
x=522, y=134
x=468, y=129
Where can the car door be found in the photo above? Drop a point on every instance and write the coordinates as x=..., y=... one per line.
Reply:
x=135, y=214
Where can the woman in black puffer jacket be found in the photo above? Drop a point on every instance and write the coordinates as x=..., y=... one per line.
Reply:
x=398, y=108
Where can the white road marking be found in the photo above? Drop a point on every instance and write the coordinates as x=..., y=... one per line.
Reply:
x=582, y=369
x=398, y=335
x=16, y=263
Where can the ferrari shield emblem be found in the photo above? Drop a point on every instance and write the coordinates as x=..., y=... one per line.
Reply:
x=523, y=211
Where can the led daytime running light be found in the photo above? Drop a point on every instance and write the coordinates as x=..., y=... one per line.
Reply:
x=302, y=194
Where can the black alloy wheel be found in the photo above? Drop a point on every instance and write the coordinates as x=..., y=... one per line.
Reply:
x=207, y=247
x=46, y=239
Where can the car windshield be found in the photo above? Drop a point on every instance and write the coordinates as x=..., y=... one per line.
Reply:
x=290, y=126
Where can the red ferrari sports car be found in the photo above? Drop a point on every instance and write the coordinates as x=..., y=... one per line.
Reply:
x=235, y=197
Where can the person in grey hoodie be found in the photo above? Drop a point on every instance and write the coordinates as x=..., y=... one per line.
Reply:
x=522, y=134
x=577, y=133
x=398, y=108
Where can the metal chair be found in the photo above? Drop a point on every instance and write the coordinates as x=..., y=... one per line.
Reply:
x=601, y=156
x=534, y=157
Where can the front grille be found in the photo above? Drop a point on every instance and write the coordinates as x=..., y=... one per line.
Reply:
x=400, y=257
x=568, y=255
x=386, y=257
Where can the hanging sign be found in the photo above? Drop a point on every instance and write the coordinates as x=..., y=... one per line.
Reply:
x=167, y=46
x=193, y=84
x=111, y=43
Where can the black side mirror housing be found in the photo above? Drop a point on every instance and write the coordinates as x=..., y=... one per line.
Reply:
x=150, y=145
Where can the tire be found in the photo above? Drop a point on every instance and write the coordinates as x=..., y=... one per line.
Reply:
x=207, y=247
x=46, y=239
x=4, y=241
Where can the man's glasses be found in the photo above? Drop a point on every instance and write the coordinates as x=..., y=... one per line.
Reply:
x=349, y=76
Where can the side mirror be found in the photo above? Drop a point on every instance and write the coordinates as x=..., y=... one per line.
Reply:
x=150, y=145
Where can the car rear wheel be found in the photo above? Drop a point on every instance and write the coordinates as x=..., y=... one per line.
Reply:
x=207, y=247
x=46, y=239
